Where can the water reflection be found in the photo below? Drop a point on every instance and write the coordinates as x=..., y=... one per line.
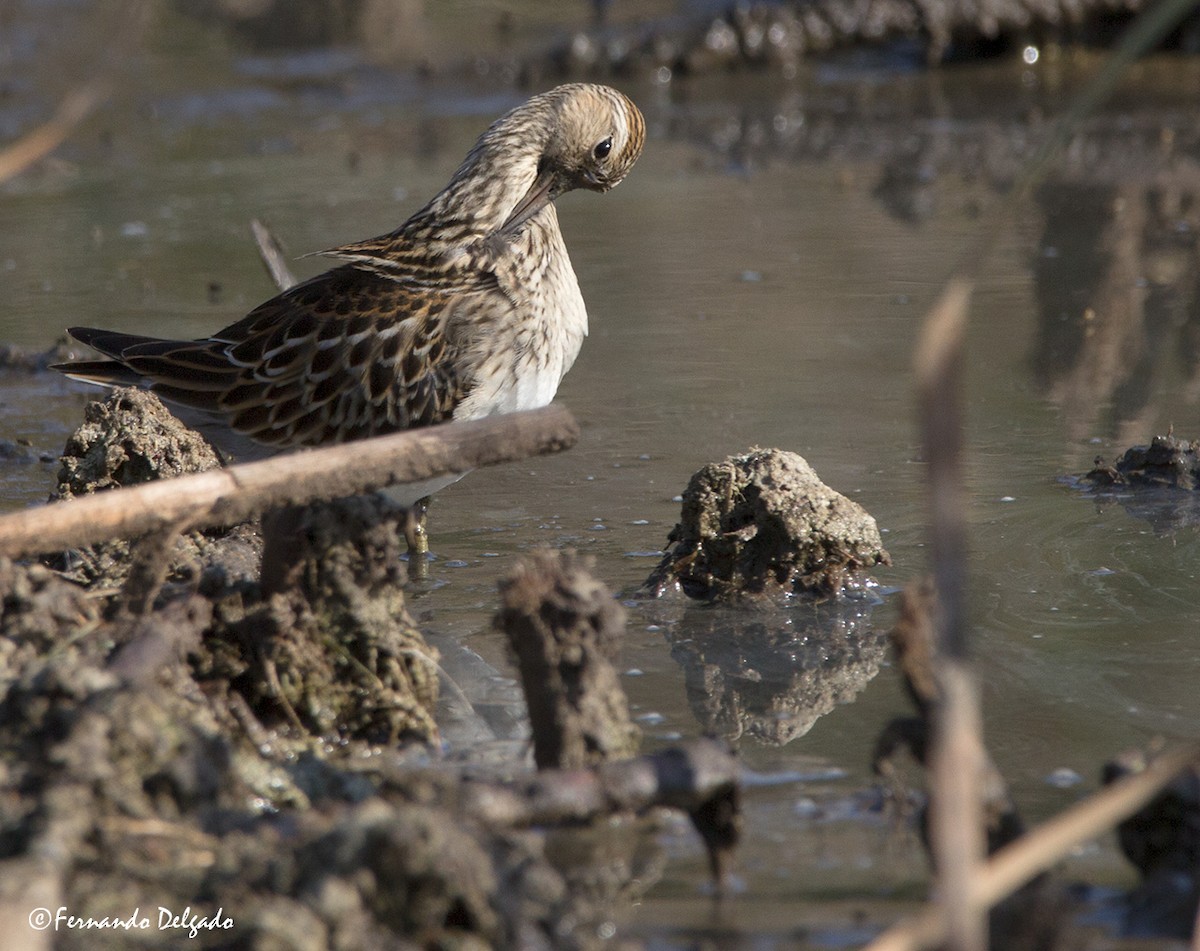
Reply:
x=1116, y=288
x=771, y=673
x=397, y=29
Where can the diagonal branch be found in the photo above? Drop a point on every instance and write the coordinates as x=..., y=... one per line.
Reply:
x=228, y=496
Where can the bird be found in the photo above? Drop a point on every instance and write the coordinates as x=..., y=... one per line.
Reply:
x=471, y=307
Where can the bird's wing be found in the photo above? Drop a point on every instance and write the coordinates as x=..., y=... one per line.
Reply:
x=347, y=354
x=424, y=256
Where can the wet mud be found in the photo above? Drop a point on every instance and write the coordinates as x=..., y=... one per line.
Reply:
x=1167, y=463
x=264, y=744
x=1155, y=483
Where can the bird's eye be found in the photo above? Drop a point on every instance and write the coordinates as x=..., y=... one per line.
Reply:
x=602, y=149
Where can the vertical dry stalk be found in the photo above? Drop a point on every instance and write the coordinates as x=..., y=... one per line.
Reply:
x=956, y=757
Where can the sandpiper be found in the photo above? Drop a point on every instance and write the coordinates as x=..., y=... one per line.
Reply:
x=471, y=307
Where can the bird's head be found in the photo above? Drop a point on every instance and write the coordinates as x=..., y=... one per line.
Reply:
x=596, y=134
x=576, y=136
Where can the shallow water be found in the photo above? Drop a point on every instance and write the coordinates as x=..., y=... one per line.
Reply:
x=752, y=283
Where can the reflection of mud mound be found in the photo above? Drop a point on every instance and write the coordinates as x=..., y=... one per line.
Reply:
x=772, y=674
x=1115, y=280
x=764, y=524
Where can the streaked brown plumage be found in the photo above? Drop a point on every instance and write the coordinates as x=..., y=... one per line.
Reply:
x=471, y=307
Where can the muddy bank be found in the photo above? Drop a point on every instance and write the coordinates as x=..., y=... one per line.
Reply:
x=256, y=750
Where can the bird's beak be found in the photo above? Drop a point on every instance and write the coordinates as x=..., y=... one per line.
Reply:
x=540, y=194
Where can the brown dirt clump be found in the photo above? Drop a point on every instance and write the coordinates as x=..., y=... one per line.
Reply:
x=761, y=524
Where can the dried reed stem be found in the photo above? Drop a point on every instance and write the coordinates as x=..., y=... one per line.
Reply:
x=228, y=496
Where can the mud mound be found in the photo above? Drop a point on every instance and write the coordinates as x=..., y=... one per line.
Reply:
x=1166, y=463
x=565, y=629
x=127, y=439
x=763, y=524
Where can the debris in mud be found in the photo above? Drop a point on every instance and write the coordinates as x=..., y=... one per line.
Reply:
x=771, y=674
x=1166, y=463
x=1031, y=918
x=565, y=629
x=1163, y=841
x=762, y=524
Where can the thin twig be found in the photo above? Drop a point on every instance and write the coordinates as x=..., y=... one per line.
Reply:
x=272, y=255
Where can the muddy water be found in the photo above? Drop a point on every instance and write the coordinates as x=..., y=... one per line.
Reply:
x=755, y=281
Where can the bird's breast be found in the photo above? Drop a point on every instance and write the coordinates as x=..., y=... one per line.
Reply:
x=523, y=352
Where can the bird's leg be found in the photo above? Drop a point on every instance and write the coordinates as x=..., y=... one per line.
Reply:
x=417, y=536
